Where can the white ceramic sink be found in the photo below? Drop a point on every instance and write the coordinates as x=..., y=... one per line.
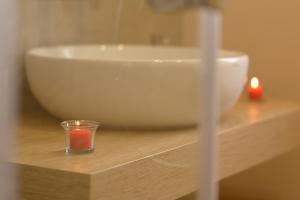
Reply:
x=128, y=86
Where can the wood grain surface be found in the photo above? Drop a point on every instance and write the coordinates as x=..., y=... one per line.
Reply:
x=141, y=165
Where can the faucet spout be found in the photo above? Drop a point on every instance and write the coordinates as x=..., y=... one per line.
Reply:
x=171, y=5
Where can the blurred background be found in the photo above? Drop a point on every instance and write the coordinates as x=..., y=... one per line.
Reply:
x=267, y=30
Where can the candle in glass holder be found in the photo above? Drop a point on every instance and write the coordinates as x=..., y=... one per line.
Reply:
x=80, y=136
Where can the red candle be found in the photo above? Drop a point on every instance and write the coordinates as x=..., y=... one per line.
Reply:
x=80, y=139
x=255, y=90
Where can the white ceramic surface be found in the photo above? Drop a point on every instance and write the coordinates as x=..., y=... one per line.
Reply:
x=128, y=86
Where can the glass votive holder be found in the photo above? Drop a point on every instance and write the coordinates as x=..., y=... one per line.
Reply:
x=80, y=136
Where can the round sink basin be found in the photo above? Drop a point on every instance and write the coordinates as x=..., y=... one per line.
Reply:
x=129, y=86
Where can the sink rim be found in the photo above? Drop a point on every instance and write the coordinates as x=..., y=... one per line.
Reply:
x=68, y=52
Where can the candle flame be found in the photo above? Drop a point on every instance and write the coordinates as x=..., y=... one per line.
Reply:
x=254, y=82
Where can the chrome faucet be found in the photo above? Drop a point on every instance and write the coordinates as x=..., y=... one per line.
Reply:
x=170, y=5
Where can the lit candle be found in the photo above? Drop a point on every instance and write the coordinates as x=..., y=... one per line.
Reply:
x=80, y=138
x=255, y=90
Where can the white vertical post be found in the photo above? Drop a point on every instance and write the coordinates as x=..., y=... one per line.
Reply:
x=210, y=29
x=8, y=88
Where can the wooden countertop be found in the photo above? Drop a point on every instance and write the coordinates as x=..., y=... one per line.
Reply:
x=138, y=165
